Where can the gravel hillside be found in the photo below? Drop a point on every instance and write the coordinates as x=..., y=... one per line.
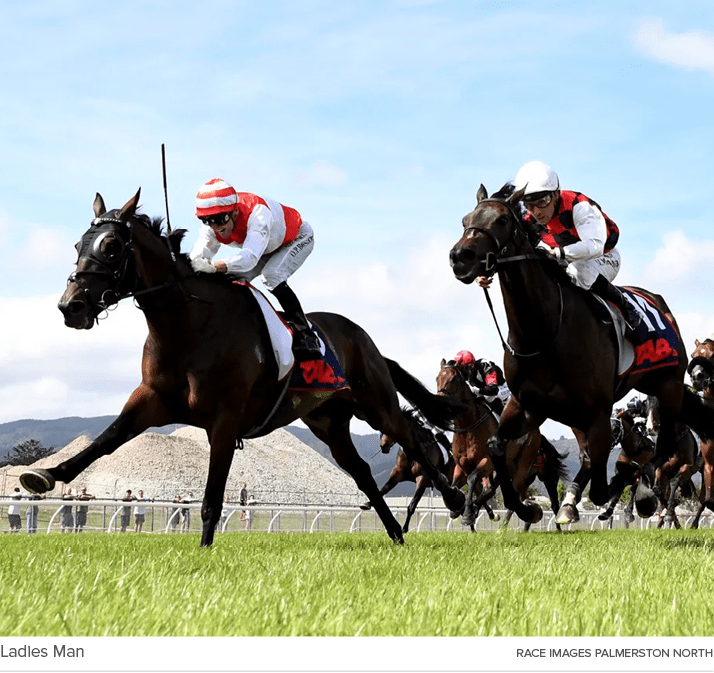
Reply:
x=278, y=468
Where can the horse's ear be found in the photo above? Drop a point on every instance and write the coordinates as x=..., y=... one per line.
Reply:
x=481, y=194
x=697, y=342
x=129, y=208
x=99, y=207
x=443, y=362
x=517, y=196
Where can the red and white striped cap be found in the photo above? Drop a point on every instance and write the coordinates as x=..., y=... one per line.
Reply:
x=216, y=196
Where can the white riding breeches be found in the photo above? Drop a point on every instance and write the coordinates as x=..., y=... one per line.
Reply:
x=278, y=266
x=584, y=272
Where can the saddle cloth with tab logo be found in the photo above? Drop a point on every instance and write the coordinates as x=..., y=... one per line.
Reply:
x=314, y=375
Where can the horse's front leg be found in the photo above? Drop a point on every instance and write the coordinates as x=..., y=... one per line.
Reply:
x=515, y=422
x=144, y=408
x=568, y=512
x=222, y=436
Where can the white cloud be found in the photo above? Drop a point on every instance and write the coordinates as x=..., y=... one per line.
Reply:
x=681, y=259
x=693, y=50
x=49, y=370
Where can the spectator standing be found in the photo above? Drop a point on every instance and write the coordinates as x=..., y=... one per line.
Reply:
x=186, y=513
x=175, y=514
x=13, y=512
x=139, y=513
x=243, y=499
x=126, y=511
x=81, y=515
x=67, y=516
x=32, y=513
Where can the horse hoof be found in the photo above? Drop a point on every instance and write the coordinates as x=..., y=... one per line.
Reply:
x=535, y=512
x=568, y=514
x=454, y=500
x=37, y=481
x=646, y=506
x=365, y=506
x=603, y=516
x=468, y=521
x=495, y=517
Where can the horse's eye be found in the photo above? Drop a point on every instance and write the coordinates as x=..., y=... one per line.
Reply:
x=111, y=248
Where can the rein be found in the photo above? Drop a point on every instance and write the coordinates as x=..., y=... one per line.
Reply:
x=498, y=259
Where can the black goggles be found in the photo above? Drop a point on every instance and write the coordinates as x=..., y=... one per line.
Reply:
x=217, y=220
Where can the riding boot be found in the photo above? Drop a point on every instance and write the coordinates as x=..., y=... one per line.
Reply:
x=602, y=287
x=305, y=344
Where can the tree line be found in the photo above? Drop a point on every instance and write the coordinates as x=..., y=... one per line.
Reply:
x=26, y=453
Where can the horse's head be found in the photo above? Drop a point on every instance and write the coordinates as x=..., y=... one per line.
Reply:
x=701, y=366
x=451, y=380
x=105, y=265
x=488, y=231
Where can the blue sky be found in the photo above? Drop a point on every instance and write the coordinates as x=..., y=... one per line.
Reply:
x=377, y=120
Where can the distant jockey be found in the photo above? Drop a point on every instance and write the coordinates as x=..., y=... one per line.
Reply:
x=272, y=241
x=573, y=228
x=486, y=379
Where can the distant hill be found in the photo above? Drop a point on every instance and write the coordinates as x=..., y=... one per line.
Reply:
x=59, y=432
x=56, y=433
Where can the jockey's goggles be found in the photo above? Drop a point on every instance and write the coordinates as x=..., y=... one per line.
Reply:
x=538, y=200
x=217, y=220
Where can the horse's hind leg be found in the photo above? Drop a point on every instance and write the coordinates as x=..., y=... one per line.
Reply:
x=143, y=409
x=331, y=424
x=421, y=486
x=388, y=486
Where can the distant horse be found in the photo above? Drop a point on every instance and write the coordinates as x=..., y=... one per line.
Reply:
x=701, y=373
x=438, y=451
x=472, y=431
x=561, y=359
x=209, y=362
x=675, y=474
x=636, y=449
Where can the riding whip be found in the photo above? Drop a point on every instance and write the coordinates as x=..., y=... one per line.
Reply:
x=166, y=198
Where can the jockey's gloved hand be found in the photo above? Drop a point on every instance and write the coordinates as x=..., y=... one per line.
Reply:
x=203, y=265
x=544, y=249
x=489, y=390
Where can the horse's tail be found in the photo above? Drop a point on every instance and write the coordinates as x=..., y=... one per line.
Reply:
x=439, y=410
x=697, y=415
x=557, y=458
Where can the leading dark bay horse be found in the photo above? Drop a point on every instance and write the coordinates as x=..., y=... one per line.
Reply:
x=561, y=359
x=208, y=362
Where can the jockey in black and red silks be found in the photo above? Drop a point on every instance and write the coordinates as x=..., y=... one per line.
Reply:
x=573, y=228
x=272, y=241
x=485, y=379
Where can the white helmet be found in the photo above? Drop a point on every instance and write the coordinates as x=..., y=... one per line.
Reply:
x=536, y=177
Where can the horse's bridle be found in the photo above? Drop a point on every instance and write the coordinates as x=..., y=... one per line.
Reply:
x=483, y=417
x=113, y=264
x=492, y=261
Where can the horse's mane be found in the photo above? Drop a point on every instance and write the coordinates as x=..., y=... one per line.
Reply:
x=174, y=238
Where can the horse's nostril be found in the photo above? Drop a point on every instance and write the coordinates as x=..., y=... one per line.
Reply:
x=73, y=307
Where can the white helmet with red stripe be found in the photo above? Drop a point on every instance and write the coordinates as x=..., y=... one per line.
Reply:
x=216, y=196
x=536, y=177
